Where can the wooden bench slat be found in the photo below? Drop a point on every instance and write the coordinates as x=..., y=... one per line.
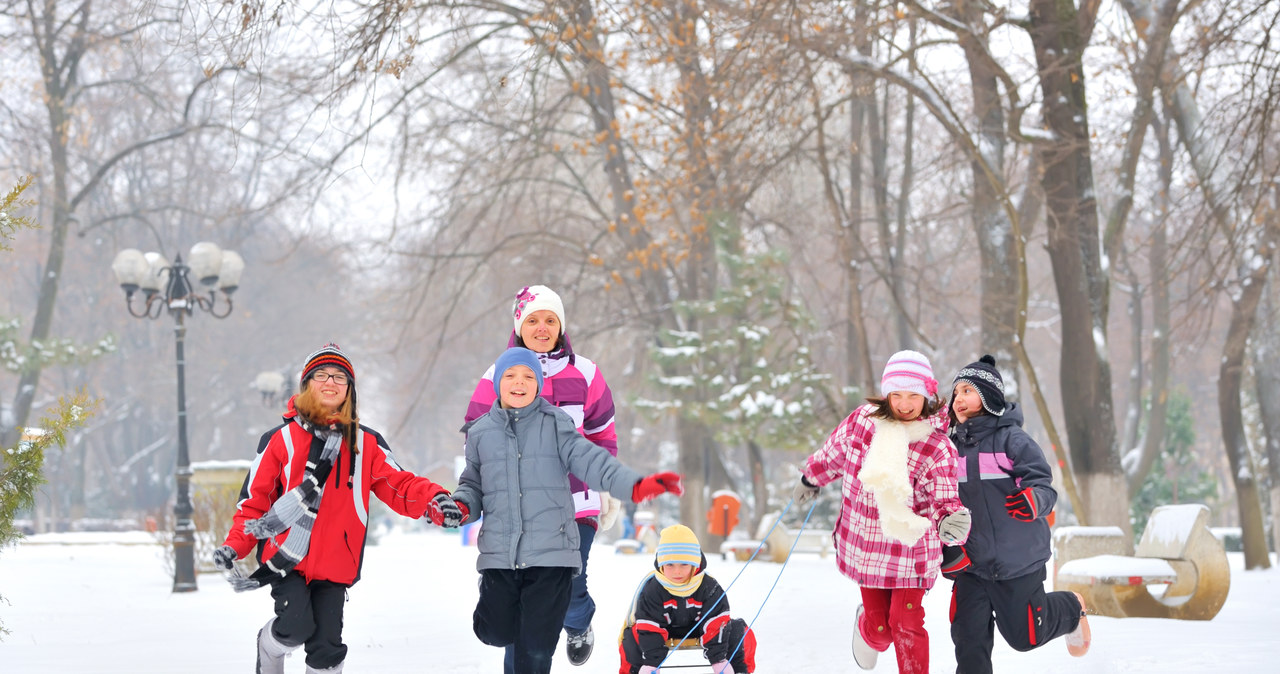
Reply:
x=1117, y=570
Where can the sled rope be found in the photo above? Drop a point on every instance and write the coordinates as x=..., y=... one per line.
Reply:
x=775, y=580
x=740, y=572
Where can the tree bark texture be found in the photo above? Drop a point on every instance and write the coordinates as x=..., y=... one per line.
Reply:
x=1230, y=379
x=1075, y=251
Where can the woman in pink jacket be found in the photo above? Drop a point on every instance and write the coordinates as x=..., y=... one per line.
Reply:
x=574, y=384
x=901, y=504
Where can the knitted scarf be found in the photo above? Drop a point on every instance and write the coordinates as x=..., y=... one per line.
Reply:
x=680, y=589
x=295, y=512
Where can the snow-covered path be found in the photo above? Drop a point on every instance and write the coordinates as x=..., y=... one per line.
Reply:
x=107, y=608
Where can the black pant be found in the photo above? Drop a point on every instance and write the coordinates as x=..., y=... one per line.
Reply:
x=1027, y=616
x=310, y=614
x=524, y=608
x=743, y=651
x=582, y=608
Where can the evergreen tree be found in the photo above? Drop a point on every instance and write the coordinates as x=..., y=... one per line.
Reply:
x=1175, y=476
x=752, y=380
x=21, y=465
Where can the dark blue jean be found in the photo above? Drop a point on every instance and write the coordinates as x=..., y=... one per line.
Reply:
x=582, y=608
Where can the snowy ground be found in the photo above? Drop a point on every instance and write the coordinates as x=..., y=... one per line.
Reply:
x=108, y=608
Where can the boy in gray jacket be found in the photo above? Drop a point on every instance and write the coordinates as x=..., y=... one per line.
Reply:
x=999, y=573
x=518, y=459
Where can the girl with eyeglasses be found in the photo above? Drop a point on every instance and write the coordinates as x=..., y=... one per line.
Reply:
x=305, y=507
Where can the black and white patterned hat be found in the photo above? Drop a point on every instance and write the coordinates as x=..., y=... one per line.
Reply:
x=984, y=376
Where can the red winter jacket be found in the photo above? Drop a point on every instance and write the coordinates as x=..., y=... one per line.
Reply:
x=337, y=539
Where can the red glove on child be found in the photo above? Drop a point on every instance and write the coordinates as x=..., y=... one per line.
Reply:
x=656, y=485
x=1022, y=505
x=445, y=512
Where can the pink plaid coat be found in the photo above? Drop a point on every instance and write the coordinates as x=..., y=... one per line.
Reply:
x=863, y=551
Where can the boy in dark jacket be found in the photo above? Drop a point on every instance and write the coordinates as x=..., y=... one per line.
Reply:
x=999, y=573
x=679, y=601
x=519, y=456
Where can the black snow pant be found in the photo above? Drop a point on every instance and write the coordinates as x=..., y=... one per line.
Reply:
x=523, y=608
x=310, y=614
x=1027, y=616
x=743, y=651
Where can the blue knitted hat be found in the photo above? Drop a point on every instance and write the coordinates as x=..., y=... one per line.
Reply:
x=516, y=355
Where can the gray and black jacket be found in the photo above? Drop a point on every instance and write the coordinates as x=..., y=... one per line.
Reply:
x=998, y=458
x=517, y=475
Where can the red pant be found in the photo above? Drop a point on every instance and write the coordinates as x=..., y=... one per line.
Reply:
x=896, y=617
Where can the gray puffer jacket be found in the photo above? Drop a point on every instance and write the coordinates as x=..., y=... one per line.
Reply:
x=998, y=458
x=517, y=475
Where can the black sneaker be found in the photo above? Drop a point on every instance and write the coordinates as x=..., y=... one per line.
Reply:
x=578, y=646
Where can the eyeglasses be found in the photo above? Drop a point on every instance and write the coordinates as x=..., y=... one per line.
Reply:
x=338, y=378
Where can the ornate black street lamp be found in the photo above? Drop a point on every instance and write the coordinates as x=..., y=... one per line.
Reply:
x=219, y=271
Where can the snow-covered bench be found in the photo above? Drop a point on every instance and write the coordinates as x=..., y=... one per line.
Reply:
x=1177, y=554
x=777, y=542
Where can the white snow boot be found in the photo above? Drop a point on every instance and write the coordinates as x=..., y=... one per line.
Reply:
x=863, y=653
x=1078, y=640
x=271, y=653
x=336, y=669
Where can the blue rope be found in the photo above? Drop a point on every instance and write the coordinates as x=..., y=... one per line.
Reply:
x=775, y=581
x=725, y=591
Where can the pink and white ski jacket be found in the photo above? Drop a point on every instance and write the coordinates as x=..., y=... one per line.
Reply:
x=863, y=551
x=574, y=384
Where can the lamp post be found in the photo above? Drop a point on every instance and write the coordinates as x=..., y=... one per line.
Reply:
x=218, y=270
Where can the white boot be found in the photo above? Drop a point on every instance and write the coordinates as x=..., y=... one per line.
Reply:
x=336, y=669
x=863, y=653
x=271, y=653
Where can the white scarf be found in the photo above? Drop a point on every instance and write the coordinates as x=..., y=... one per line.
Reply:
x=884, y=472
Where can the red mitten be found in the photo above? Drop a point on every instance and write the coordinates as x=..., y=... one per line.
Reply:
x=1022, y=505
x=656, y=485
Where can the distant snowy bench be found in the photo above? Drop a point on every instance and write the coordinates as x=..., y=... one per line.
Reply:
x=1177, y=550
x=777, y=542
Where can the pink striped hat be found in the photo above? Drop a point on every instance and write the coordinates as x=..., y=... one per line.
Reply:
x=909, y=371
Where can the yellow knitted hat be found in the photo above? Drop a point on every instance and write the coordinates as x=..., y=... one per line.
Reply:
x=678, y=545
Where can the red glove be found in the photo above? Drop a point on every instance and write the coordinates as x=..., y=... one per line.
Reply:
x=656, y=485
x=445, y=512
x=1022, y=505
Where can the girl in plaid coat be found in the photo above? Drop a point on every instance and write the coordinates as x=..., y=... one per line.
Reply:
x=901, y=504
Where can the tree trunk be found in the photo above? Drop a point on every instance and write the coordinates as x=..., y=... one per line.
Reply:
x=1266, y=366
x=859, y=371
x=890, y=251
x=1230, y=376
x=759, y=488
x=997, y=252
x=1075, y=251
x=58, y=73
x=1153, y=440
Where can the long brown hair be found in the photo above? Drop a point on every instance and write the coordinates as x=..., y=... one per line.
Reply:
x=309, y=407
x=932, y=404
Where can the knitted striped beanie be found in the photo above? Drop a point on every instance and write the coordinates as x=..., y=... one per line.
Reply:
x=677, y=544
x=983, y=376
x=909, y=371
x=328, y=355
